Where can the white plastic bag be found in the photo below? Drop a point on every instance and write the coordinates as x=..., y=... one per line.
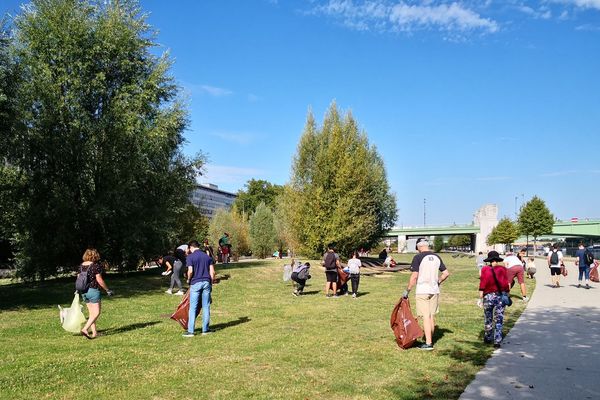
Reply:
x=72, y=318
x=287, y=272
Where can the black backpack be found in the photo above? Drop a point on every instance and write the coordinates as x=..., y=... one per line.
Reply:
x=554, y=258
x=330, y=261
x=589, y=257
x=82, y=283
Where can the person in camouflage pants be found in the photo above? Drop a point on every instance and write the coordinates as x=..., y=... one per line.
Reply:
x=493, y=281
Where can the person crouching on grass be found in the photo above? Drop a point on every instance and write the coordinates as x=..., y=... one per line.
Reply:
x=493, y=281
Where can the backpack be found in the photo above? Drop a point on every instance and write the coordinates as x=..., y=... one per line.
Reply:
x=330, y=261
x=303, y=273
x=589, y=257
x=554, y=258
x=82, y=283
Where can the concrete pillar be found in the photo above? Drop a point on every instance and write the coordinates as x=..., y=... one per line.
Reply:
x=401, y=243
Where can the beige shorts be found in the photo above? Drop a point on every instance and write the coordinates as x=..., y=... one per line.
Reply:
x=427, y=304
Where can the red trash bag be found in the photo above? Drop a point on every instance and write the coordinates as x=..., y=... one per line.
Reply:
x=594, y=274
x=405, y=325
x=183, y=309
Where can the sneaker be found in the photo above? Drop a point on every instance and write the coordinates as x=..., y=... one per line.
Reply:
x=295, y=293
x=353, y=295
x=169, y=291
x=179, y=293
x=187, y=334
x=525, y=299
x=587, y=285
x=426, y=347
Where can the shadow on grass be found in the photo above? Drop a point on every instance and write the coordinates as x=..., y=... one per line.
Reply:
x=439, y=333
x=310, y=293
x=361, y=294
x=225, y=325
x=127, y=328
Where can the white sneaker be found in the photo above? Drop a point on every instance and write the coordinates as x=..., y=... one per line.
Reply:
x=525, y=299
x=169, y=291
x=179, y=293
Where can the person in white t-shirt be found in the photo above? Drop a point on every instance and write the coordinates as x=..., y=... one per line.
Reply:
x=555, y=259
x=354, y=265
x=515, y=269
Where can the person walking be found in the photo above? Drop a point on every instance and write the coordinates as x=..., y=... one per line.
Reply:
x=200, y=276
x=331, y=262
x=225, y=246
x=424, y=276
x=584, y=263
x=92, y=297
x=555, y=260
x=354, y=265
x=480, y=262
x=493, y=281
x=515, y=269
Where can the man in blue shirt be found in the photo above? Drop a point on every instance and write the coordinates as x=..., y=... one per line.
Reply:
x=200, y=276
x=584, y=267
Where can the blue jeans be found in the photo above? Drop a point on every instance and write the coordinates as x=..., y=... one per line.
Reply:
x=585, y=270
x=197, y=290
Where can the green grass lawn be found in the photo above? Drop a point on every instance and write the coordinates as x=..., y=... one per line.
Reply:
x=268, y=344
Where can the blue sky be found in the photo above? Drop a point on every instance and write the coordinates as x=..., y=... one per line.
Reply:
x=469, y=102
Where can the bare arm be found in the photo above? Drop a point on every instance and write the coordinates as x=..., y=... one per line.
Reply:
x=444, y=276
x=190, y=272
x=212, y=273
x=101, y=282
x=412, y=281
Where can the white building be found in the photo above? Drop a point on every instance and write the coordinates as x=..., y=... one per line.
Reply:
x=209, y=198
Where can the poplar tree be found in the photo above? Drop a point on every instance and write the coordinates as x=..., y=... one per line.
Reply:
x=535, y=219
x=232, y=222
x=262, y=231
x=100, y=139
x=338, y=190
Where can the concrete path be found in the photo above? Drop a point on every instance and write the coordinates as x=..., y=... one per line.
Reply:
x=553, y=351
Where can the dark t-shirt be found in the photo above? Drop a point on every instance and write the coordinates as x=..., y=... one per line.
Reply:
x=170, y=260
x=580, y=253
x=180, y=255
x=92, y=270
x=200, y=263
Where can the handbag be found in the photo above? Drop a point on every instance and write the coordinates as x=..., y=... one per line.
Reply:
x=563, y=270
x=504, y=296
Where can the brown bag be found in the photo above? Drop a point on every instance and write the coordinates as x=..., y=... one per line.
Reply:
x=405, y=325
x=183, y=309
x=563, y=270
x=594, y=274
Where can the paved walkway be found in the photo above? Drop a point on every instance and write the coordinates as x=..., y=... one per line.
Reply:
x=553, y=351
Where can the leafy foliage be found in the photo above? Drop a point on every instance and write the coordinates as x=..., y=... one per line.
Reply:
x=338, y=190
x=459, y=241
x=504, y=233
x=257, y=191
x=235, y=224
x=535, y=219
x=100, y=136
x=262, y=231
x=438, y=243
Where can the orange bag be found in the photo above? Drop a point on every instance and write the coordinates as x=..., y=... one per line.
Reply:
x=183, y=309
x=594, y=274
x=405, y=325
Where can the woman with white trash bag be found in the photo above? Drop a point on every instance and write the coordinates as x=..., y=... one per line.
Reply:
x=93, y=271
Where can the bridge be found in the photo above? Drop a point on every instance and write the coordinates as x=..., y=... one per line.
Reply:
x=573, y=229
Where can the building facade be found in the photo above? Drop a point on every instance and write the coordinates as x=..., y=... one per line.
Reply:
x=209, y=198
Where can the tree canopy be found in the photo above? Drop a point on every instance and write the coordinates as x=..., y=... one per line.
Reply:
x=255, y=192
x=262, y=231
x=506, y=232
x=96, y=138
x=535, y=219
x=338, y=190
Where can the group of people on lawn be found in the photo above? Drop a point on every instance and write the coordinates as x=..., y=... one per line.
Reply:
x=428, y=272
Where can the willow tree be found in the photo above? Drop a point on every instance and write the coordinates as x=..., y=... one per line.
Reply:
x=100, y=136
x=339, y=190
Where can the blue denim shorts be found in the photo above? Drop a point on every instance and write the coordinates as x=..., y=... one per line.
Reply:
x=92, y=296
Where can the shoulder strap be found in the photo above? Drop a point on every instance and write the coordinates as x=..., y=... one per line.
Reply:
x=495, y=279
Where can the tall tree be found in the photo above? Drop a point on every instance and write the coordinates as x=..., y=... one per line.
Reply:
x=506, y=232
x=262, y=231
x=338, y=190
x=255, y=192
x=438, y=243
x=102, y=136
x=535, y=219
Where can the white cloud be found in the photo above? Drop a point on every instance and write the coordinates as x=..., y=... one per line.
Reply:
x=215, y=91
x=229, y=175
x=582, y=3
x=382, y=15
x=588, y=27
x=235, y=137
x=541, y=13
